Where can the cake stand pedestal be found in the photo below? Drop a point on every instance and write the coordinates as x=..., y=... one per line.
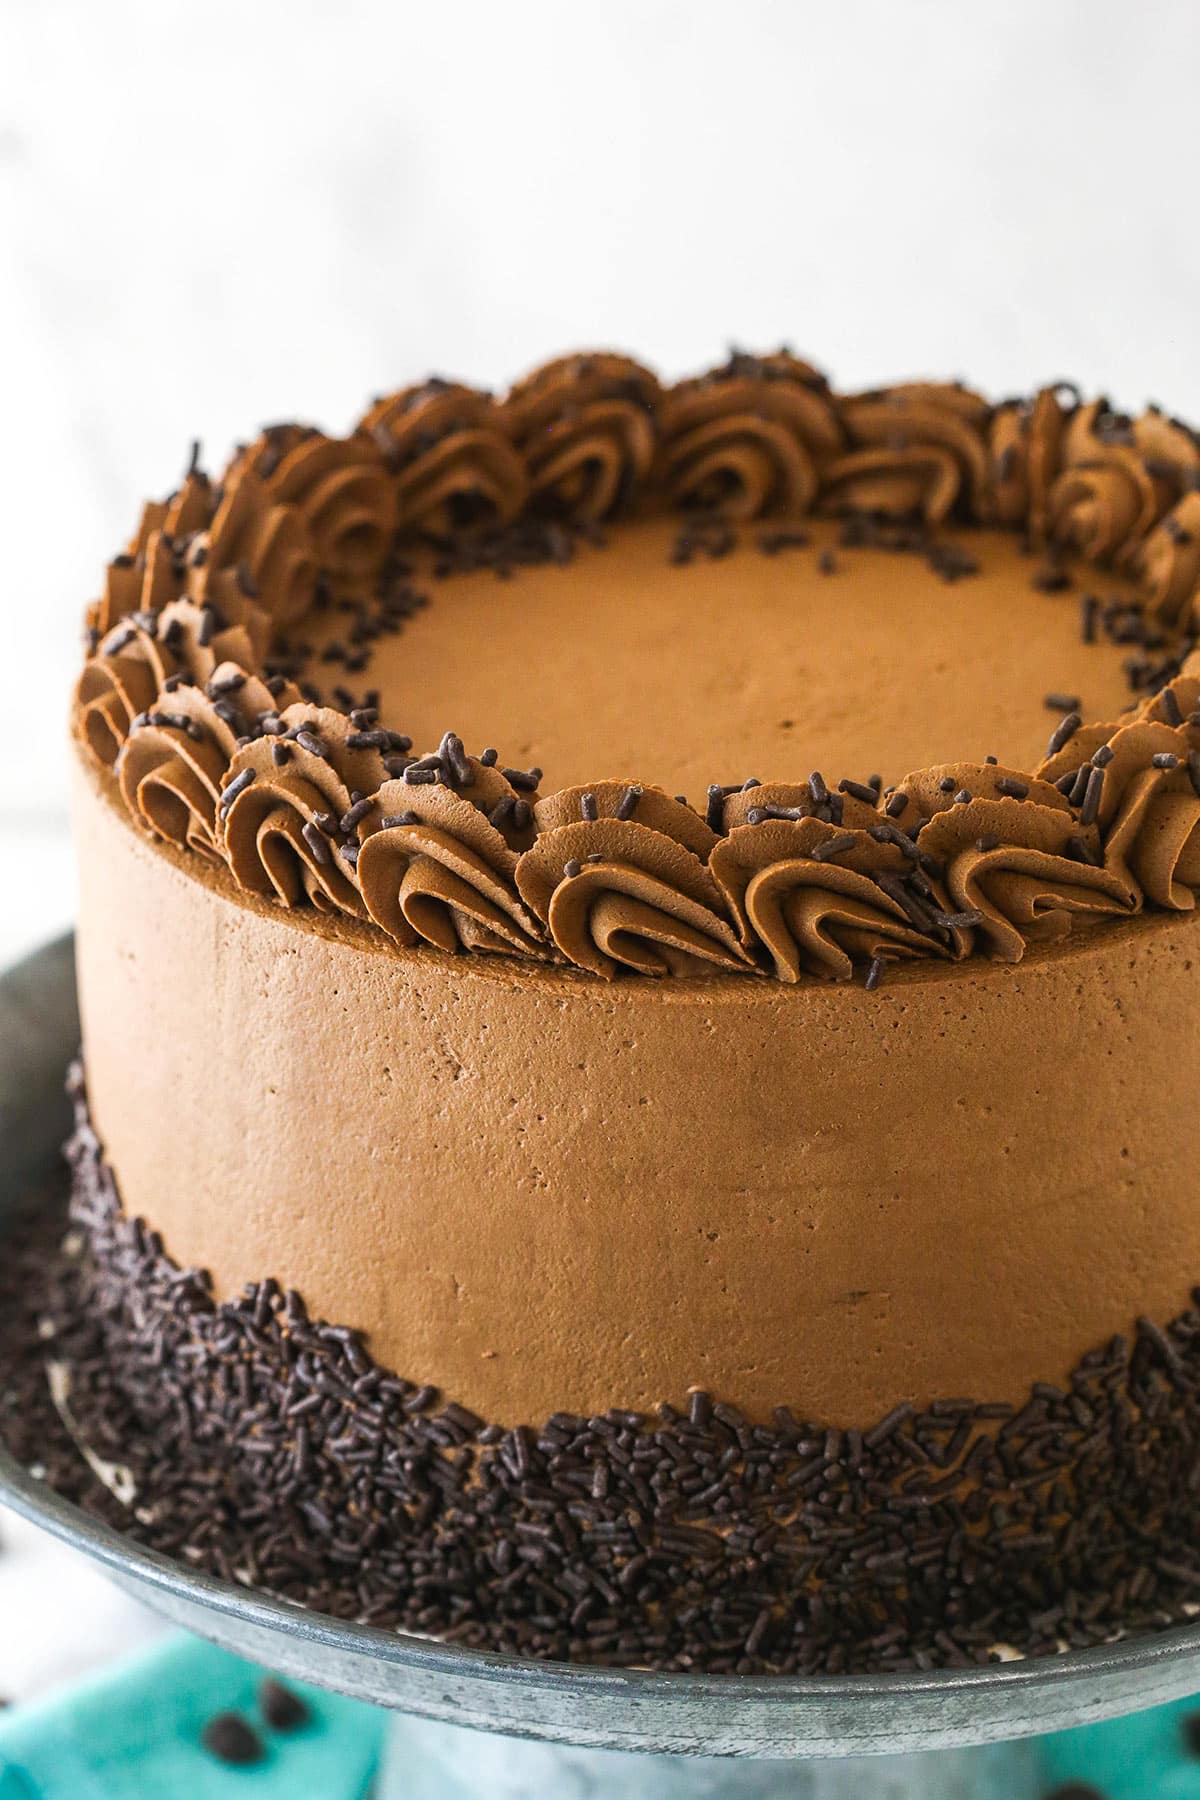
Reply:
x=477, y=1724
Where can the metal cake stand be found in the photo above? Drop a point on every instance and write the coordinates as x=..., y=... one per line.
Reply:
x=898, y=1720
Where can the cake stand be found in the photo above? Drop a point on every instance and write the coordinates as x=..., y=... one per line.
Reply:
x=552, y=1728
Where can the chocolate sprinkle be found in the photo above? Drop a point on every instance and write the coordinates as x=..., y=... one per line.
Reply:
x=859, y=791
x=351, y=820
x=351, y=621
x=834, y=846
x=1090, y=807
x=318, y=844
x=1063, y=732
x=1051, y=578
x=785, y=538
x=524, y=779
x=267, y=1447
x=627, y=804
x=237, y=786
x=703, y=535
x=1089, y=607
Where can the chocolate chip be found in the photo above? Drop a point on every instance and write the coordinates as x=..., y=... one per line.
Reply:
x=282, y=1709
x=230, y=1739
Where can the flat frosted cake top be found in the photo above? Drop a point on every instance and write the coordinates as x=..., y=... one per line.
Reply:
x=738, y=675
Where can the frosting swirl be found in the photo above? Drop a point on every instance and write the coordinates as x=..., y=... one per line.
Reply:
x=283, y=804
x=822, y=900
x=257, y=563
x=927, y=792
x=615, y=891
x=1025, y=868
x=585, y=426
x=437, y=861
x=139, y=660
x=149, y=572
x=314, y=806
x=1119, y=476
x=811, y=799
x=1145, y=782
x=1168, y=562
x=748, y=439
x=454, y=467
x=1025, y=445
x=340, y=487
x=171, y=766
x=917, y=448
x=140, y=580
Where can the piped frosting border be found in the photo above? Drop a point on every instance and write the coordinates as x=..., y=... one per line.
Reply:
x=214, y=750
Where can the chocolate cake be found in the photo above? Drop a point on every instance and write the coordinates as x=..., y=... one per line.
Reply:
x=640, y=1013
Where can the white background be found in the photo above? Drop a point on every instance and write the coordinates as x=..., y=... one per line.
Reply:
x=214, y=215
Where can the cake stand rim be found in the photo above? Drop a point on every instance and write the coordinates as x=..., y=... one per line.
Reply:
x=635, y=1709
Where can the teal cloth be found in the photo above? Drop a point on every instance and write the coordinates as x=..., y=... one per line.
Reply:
x=1143, y=1757
x=133, y=1733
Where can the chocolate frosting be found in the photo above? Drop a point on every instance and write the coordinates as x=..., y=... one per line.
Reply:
x=587, y=430
x=341, y=489
x=171, y=768
x=1168, y=562
x=918, y=448
x=814, y=896
x=282, y=807
x=616, y=891
x=148, y=573
x=434, y=867
x=144, y=659
x=1024, y=868
x=258, y=563
x=1025, y=445
x=748, y=439
x=801, y=1178
x=453, y=465
x=307, y=806
x=1119, y=476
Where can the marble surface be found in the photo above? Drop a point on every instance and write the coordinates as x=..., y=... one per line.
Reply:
x=59, y=1616
x=211, y=219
